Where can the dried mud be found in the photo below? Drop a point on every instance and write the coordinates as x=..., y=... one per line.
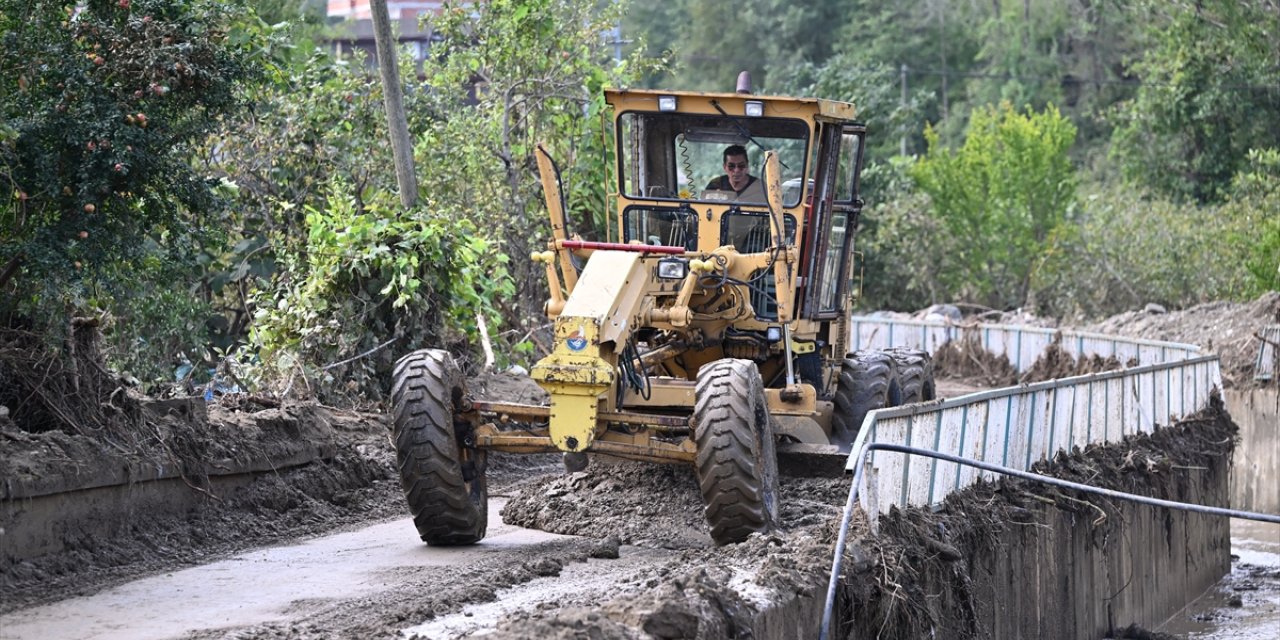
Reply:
x=352, y=483
x=907, y=582
x=967, y=359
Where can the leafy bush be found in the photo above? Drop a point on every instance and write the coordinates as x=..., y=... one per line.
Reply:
x=1002, y=197
x=374, y=280
x=902, y=244
x=1207, y=97
x=1129, y=249
x=1255, y=202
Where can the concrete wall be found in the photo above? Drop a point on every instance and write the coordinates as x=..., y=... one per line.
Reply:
x=1255, y=477
x=1031, y=562
x=1071, y=579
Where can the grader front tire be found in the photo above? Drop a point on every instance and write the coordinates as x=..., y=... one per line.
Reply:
x=443, y=481
x=736, y=463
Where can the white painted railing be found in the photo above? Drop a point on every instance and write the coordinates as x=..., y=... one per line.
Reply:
x=1019, y=426
x=1021, y=345
x=1268, y=360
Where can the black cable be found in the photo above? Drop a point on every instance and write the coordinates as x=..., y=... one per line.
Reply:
x=825, y=630
x=636, y=381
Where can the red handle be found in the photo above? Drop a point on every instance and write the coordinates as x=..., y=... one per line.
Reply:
x=618, y=246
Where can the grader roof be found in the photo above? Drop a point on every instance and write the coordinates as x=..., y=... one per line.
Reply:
x=701, y=102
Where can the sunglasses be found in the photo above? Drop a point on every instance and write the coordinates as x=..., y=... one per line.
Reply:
x=735, y=165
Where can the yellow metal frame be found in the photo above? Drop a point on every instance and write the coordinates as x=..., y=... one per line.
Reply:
x=596, y=309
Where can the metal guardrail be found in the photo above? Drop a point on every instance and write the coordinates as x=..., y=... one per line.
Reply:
x=1021, y=345
x=1018, y=426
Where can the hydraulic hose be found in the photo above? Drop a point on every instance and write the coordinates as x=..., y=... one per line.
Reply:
x=827, y=609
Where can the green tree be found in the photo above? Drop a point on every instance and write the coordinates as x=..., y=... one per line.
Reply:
x=98, y=124
x=1255, y=203
x=354, y=280
x=521, y=72
x=1208, y=95
x=1002, y=194
x=102, y=105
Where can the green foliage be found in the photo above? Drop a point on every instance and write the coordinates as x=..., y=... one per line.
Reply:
x=1004, y=193
x=314, y=178
x=99, y=114
x=1208, y=96
x=904, y=245
x=1255, y=201
x=1129, y=249
x=371, y=274
x=713, y=41
x=164, y=324
x=540, y=67
x=325, y=261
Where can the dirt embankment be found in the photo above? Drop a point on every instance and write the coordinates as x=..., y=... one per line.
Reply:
x=1228, y=329
x=966, y=359
x=343, y=475
x=926, y=574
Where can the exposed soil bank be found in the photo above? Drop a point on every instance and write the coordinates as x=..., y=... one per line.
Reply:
x=77, y=513
x=986, y=566
x=1228, y=329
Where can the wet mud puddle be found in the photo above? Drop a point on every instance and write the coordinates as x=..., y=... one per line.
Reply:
x=1245, y=604
x=587, y=583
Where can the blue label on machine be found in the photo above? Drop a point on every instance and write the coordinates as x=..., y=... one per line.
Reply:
x=576, y=341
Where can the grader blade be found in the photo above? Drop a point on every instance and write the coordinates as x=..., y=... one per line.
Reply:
x=805, y=460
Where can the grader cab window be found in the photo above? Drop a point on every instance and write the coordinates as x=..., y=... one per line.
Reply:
x=750, y=232
x=678, y=156
x=654, y=226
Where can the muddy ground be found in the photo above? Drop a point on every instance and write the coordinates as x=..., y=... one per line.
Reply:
x=644, y=523
x=611, y=505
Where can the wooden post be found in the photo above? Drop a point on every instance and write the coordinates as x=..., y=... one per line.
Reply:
x=397, y=125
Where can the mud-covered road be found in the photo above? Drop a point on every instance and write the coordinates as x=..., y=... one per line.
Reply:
x=642, y=559
x=348, y=580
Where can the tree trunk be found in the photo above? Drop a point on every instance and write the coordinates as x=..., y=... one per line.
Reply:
x=397, y=125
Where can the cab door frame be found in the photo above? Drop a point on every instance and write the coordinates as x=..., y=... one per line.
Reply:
x=836, y=208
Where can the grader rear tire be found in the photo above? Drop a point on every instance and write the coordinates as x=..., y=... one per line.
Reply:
x=915, y=374
x=868, y=381
x=443, y=481
x=736, y=464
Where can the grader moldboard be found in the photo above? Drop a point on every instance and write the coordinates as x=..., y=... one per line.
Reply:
x=713, y=334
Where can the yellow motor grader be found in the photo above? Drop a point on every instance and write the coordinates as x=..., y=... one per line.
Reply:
x=714, y=333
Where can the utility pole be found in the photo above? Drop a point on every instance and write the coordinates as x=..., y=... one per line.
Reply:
x=902, y=144
x=397, y=125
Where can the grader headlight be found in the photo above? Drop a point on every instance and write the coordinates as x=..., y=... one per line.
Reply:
x=673, y=268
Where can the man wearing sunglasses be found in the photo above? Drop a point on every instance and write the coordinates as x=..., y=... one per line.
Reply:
x=735, y=178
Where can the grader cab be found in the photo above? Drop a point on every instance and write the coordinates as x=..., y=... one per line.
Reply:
x=713, y=333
